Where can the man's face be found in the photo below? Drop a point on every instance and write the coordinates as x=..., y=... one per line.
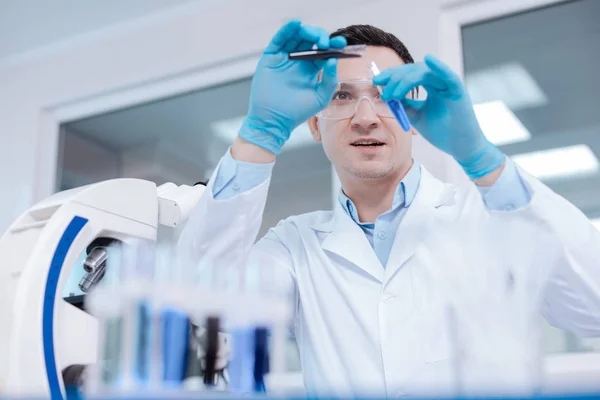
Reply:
x=341, y=138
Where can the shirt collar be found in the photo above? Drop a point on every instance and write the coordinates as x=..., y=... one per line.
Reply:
x=404, y=195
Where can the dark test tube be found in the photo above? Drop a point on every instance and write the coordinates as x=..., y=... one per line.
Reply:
x=261, y=358
x=212, y=347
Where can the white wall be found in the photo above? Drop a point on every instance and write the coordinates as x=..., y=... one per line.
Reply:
x=146, y=51
x=29, y=25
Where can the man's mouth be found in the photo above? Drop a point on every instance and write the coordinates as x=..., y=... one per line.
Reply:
x=369, y=143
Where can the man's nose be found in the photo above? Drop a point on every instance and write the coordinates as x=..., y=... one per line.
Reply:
x=365, y=117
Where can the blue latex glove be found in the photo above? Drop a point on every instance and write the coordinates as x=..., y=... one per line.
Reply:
x=446, y=118
x=286, y=93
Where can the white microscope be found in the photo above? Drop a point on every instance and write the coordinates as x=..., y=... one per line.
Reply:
x=41, y=333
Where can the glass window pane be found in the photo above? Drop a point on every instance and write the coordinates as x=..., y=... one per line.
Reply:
x=181, y=139
x=534, y=83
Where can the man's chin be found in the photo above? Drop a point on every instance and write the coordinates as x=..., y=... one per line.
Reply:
x=371, y=172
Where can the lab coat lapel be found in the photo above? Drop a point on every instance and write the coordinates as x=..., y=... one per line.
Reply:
x=348, y=240
x=418, y=221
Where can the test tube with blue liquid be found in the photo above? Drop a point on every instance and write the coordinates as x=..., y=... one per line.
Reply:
x=394, y=105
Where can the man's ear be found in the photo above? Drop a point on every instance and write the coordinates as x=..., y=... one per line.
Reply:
x=313, y=125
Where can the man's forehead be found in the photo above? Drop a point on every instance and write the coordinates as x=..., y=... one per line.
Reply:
x=358, y=68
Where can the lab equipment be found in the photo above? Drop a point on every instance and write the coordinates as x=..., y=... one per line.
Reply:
x=241, y=369
x=230, y=312
x=142, y=358
x=42, y=334
x=95, y=262
x=175, y=334
x=194, y=376
x=110, y=350
x=446, y=118
x=211, y=350
x=394, y=105
x=261, y=358
x=352, y=51
x=160, y=304
x=285, y=93
x=220, y=373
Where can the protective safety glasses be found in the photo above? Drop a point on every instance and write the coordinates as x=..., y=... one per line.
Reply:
x=348, y=96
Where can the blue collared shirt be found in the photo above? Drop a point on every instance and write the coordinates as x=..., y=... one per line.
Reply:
x=508, y=193
x=382, y=232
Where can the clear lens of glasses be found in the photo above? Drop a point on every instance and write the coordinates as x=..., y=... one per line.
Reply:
x=349, y=95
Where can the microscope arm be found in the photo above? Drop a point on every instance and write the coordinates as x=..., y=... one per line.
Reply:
x=176, y=203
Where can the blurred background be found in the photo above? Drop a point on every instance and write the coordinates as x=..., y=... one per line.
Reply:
x=156, y=89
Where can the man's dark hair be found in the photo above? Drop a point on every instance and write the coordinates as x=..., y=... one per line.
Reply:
x=371, y=36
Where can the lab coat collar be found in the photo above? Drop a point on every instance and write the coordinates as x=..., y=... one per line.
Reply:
x=417, y=224
x=347, y=240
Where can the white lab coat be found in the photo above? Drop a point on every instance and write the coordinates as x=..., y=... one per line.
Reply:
x=363, y=329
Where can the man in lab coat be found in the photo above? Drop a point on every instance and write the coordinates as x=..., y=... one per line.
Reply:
x=410, y=284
